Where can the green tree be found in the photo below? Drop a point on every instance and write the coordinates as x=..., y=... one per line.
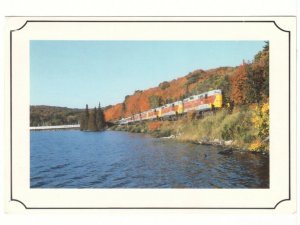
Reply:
x=100, y=118
x=155, y=101
x=164, y=85
x=194, y=77
x=85, y=119
x=258, y=77
x=225, y=86
x=92, y=126
x=254, y=85
x=92, y=120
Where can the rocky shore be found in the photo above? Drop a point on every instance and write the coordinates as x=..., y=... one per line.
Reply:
x=235, y=130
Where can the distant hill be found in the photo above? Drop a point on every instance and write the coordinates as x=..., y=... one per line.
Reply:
x=42, y=115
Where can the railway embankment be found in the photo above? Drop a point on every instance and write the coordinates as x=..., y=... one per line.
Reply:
x=244, y=128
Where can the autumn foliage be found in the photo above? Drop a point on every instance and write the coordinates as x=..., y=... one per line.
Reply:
x=239, y=84
x=261, y=122
x=154, y=125
x=114, y=112
x=166, y=92
x=245, y=84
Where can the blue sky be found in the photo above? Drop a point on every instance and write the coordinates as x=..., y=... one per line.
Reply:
x=75, y=73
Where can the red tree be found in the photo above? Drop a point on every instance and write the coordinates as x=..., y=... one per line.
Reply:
x=239, y=84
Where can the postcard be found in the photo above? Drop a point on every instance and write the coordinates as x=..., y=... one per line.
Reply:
x=150, y=113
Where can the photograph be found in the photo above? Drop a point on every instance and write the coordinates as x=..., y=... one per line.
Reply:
x=150, y=113
x=158, y=114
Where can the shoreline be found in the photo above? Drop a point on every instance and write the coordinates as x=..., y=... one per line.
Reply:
x=225, y=145
x=245, y=128
x=229, y=145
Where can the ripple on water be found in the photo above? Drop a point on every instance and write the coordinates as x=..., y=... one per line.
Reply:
x=121, y=160
x=77, y=177
x=59, y=166
x=38, y=184
x=59, y=175
x=32, y=179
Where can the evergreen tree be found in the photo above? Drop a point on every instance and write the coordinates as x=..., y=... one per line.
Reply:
x=86, y=118
x=100, y=120
x=226, y=89
x=92, y=121
x=95, y=126
x=97, y=118
x=82, y=122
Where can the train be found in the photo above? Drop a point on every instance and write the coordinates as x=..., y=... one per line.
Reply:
x=207, y=101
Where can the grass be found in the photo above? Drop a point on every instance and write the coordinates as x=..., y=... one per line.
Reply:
x=236, y=127
x=223, y=126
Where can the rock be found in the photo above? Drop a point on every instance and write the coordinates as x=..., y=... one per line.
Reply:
x=170, y=137
x=228, y=151
x=204, y=141
x=227, y=143
x=218, y=142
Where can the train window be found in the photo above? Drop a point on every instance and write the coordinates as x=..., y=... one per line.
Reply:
x=205, y=95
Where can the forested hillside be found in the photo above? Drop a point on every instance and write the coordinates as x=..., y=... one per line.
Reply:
x=42, y=115
x=245, y=84
x=244, y=126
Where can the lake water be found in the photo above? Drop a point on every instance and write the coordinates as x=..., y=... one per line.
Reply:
x=112, y=159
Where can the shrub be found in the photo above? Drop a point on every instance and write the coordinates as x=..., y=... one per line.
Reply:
x=194, y=77
x=256, y=146
x=161, y=133
x=227, y=132
x=164, y=85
